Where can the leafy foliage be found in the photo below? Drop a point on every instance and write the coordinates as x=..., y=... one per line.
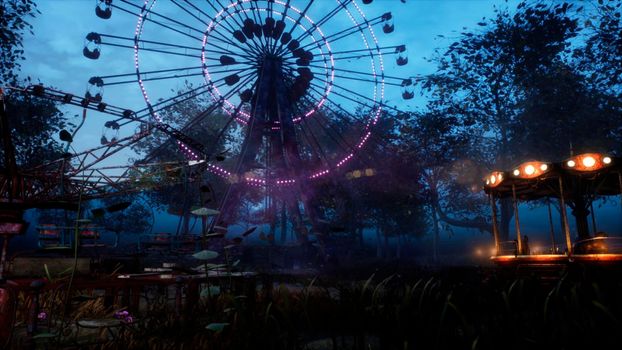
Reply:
x=14, y=16
x=521, y=86
x=34, y=124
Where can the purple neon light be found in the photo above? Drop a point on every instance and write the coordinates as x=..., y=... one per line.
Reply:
x=190, y=154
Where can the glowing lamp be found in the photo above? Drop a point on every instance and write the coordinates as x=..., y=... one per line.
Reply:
x=588, y=162
x=530, y=170
x=494, y=179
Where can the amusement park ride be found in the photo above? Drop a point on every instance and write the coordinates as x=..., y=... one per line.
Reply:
x=576, y=183
x=283, y=75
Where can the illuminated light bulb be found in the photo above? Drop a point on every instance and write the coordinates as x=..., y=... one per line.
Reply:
x=356, y=173
x=500, y=177
x=529, y=170
x=493, y=179
x=543, y=167
x=589, y=161
x=607, y=160
x=487, y=182
x=516, y=172
x=571, y=163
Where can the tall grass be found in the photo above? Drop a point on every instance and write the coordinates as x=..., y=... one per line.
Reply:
x=447, y=310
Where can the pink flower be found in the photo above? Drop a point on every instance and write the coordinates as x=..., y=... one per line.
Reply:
x=121, y=314
x=42, y=316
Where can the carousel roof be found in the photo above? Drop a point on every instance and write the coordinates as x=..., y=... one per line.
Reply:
x=584, y=174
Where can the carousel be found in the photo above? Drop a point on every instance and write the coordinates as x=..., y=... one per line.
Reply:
x=574, y=183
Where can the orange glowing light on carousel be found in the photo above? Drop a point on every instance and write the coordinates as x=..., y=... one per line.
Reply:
x=494, y=179
x=588, y=162
x=530, y=170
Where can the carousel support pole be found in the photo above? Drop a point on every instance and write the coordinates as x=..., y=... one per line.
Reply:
x=594, y=228
x=548, y=204
x=562, y=209
x=495, y=229
x=517, y=221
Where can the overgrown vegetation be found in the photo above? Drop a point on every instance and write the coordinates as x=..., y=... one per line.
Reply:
x=450, y=309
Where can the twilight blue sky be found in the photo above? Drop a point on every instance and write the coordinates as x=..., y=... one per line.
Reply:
x=54, y=54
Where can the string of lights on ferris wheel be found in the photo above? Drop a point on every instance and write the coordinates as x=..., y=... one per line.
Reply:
x=230, y=42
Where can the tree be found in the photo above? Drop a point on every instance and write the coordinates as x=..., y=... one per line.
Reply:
x=601, y=56
x=32, y=122
x=188, y=182
x=513, y=79
x=123, y=213
x=447, y=166
x=14, y=16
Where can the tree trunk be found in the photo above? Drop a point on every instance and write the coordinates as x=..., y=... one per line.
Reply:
x=378, y=242
x=506, y=215
x=283, y=223
x=435, y=238
x=581, y=213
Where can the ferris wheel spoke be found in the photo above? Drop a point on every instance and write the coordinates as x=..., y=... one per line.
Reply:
x=301, y=15
x=385, y=50
x=331, y=14
x=314, y=140
x=231, y=16
x=180, y=69
x=203, y=89
x=342, y=109
x=155, y=78
x=343, y=70
x=336, y=136
x=160, y=43
x=197, y=90
x=225, y=24
x=351, y=123
x=221, y=36
x=229, y=94
x=154, y=50
x=151, y=11
x=349, y=91
x=321, y=111
x=252, y=27
x=357, y=28
x=186, y=10
x=143, y=41
x=357, y=57
x=367, y=80
x=156, y=22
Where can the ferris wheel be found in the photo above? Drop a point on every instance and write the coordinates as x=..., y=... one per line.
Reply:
x=300, y=84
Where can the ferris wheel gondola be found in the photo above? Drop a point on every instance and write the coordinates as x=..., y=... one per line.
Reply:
x=289, y=74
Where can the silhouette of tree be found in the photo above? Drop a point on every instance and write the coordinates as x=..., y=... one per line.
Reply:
x=513, y=87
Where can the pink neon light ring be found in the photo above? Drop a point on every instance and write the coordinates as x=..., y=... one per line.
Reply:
x=328, y=72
